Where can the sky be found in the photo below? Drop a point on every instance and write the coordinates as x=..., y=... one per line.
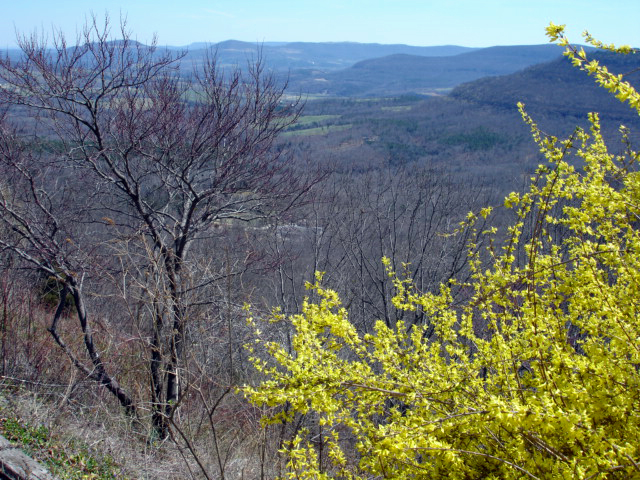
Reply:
x=472, y=23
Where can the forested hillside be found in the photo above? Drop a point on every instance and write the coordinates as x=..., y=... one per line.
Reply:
x=475, y=131
x=555, y=89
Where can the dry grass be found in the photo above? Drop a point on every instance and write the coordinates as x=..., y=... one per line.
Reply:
x=215, y=435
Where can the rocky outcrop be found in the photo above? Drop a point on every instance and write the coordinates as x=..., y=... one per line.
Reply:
x=15, y=465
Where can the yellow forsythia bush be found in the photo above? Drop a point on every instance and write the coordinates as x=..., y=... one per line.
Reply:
x=537, y=375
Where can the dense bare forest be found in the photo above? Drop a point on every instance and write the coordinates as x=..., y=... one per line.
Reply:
x=147, y=199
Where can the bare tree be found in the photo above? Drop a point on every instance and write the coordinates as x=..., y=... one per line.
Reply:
x=404, y=213
x=162, y=158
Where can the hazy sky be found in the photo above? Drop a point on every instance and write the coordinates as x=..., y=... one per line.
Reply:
x=474, y=23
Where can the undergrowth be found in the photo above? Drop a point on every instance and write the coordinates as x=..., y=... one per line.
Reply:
x=67, y=459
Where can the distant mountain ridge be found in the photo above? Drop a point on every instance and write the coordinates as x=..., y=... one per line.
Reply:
x=402, y=73
x=350, y=69
x=321, y=55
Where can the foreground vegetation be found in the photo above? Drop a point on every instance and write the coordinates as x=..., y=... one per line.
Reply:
x=68, y=461
x=533, y=374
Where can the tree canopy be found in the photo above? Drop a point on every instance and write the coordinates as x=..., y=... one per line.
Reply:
x=533, y=374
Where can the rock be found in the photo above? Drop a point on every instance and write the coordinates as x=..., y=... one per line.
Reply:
x=15, y=465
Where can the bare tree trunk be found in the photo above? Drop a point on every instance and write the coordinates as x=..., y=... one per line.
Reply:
x=98, y=372
x=173, y=266
x=158, y=418
x=6, y=292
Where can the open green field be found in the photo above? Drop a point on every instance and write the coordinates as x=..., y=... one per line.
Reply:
x=315, y=125
x=308, y=119
x=321, y=130
x=399, y=108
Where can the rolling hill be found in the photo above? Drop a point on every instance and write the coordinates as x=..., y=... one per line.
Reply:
x=555, y=88
x=327, y=56
x=404, y=73
x=474, y=131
